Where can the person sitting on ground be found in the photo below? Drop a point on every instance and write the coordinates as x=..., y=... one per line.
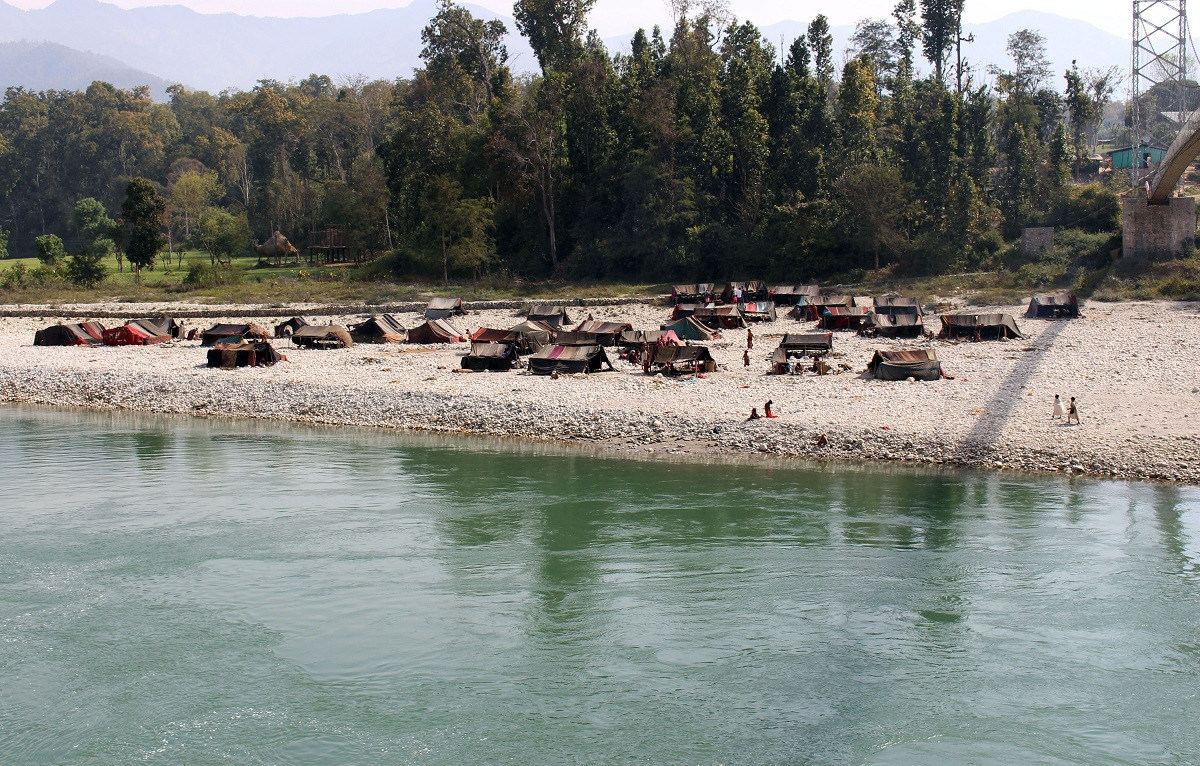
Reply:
x=754, y=414
x=767, y=410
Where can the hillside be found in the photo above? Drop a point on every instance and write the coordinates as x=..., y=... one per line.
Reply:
x=50, y=66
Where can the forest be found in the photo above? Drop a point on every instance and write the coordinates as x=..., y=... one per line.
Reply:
x=705, y=153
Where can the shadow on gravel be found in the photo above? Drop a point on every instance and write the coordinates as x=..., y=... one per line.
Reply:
x=999, y=408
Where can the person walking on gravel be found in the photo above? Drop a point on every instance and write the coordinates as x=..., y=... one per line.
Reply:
x=1072, y=412
x=1057, y=414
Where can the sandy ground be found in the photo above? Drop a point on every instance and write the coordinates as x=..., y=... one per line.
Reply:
x=1132, y=367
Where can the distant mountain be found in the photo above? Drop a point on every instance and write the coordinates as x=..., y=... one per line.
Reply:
x=50, y=66
x=218, y=51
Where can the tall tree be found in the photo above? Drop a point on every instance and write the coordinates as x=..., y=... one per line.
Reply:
x=142, y=219
x=554, y=28
x=940, y=33
x=820, y=42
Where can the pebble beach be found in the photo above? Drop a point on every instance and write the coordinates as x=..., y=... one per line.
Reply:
x=1130, y=365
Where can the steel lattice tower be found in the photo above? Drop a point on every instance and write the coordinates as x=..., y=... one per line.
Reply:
x=1159, y=59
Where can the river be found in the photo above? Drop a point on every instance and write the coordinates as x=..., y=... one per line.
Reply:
x=204, y=591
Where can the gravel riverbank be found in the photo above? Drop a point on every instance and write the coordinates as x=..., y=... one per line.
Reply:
x=1131, y=365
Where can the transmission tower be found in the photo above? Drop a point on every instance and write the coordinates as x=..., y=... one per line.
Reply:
x=1159, y=60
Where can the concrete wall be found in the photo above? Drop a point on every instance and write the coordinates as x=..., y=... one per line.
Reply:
x=1156, y=231
x=1036, y=239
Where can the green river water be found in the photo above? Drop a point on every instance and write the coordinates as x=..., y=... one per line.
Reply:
x=207, y=592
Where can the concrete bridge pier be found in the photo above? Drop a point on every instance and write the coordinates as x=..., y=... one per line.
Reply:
x=1156, y=229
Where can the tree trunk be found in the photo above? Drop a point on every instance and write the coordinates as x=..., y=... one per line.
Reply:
x=445, y=263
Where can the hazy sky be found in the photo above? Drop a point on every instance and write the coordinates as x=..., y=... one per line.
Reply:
x=612, y=17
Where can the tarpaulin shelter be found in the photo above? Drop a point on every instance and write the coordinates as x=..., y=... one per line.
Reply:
x=571, y=338
x=638, y=338
x=720, y=317
x=244, y=353
x=696, y=293
x=525, y=340
x=568, y=360
x=902, y=364
x=1053, y=307
x=895, y=305
x=435, y=331
x=541, y=332
x=754, y=290
x=689, y=328
x=161, y=326
x=441, y=308
x=894, y=326
x=243, y=331
x=979, y=326
x=323, y=336
x=759, y=311
x=843, y=317
x=284, y=329
x=790, y=295
x=555, y=316
x=135, y=333
x=606, y=333
x=816, y=306
x=684, y=310
x=380, y=328
x=77, y=334
x=673, y=360
x=496, y=357
x=799, y=345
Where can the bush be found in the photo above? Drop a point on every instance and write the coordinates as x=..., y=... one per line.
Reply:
x=203, y=275
x=50, y=250
x=86, y=270
x=1092, y=208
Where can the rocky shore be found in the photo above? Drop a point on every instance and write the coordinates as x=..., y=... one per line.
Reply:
x=1131, y=365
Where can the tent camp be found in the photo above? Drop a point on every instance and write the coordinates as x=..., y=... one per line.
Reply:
x=245, y=331
x=1065, y=306
x=677, y=360
x=979, y=326
x=639, y=338
x=759, y=311
x=135, y=333
x=284, y=329
x=606, y=333
x=720, y=317
x=441, y=308
x=555, y=316
x=435, y=331
x=843, y=317
x=799, y=345
x=380, y=328
x=790, y=295
x=80, y=334
x=322, y=336
x=816, y=305
x=690, y=328
x=242, y=353
x=495, y=357
x=566, y=360
x=525, y=339
x=894, y=326
x=895, y=305
x=754, y=290
x=697, y=293
x=902, y=364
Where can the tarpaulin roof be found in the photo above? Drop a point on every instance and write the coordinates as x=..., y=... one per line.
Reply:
x=895, y=320
x=689, y=328
x=78, y=334
x=901, y=364
x=219, y=331
x=896, y=300
x=440, y=308
x=322, y=335
x=699, y=288
x=568, y=359
x=492, y=335
x=435, y=331
x=492, y=350
x=380, y=328
x=572, y=338
x=547, y=310
x=797, y=290
x=818, y=340
x=603, y=328
x=1053, y=306
x=243, y=354
x=673, y=354
x=845, y=311
x=639, y=337
x=1001, y=325
x=831, y=300
x=134, y=334
x=759, y=307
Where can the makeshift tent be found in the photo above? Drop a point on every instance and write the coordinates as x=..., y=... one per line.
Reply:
x=435, y=331
x=759, y=311
x=244, y=331
x=80, y=334
x=790, y=295
x=799, y=345
x=638, y=338
x=381, y=328
x=720, y=317
x=754, y=290
x=979, y=326
x=689, y=328
x=606, y=333
x=323, y=336
x=568, y=338
x=537, y=331
x=161, y=326
x=903, y=364
x=1053, y=307
x=674, y=360
x=816, y=305
x=894, y=326
x=284, y=329
x=568, y=360
x=524, y=340
x=842, y=317
x=683, y=310
x=440, y=308
x=895, y=305
x=135, y=333
x=555, y=316
x=697, y=293
x=243, y=353
x=490, y=356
